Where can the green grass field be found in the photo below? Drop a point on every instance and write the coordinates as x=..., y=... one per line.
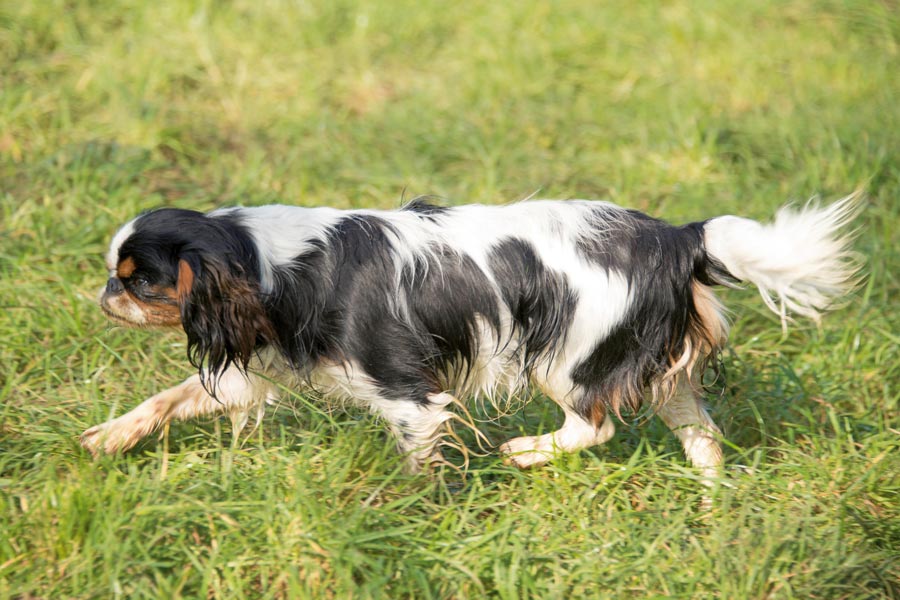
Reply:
x=683, y=109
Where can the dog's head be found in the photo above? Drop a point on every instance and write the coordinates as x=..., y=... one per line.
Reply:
x=175, y=267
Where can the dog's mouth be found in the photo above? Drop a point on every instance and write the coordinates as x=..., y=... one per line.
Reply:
x=115, y=318
x=145, y=323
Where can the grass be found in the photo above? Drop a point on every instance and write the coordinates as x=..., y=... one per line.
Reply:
x=685, y=110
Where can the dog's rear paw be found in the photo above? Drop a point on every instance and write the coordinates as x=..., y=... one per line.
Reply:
x=525, y=452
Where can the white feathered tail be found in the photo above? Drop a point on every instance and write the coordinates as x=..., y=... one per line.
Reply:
x=801, y=263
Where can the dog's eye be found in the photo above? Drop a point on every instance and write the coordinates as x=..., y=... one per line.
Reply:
x=140, y=281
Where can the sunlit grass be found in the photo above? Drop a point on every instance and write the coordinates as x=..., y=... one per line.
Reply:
x=685, y=110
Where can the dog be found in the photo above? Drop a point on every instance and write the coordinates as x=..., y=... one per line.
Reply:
x=407, y=312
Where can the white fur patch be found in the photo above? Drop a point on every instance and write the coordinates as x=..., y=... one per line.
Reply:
x=282, y=233
x=112, y=257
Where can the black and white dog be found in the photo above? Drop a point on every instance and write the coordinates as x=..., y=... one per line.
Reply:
x=601, y=308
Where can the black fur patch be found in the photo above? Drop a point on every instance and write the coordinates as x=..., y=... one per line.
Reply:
x=446, y=296
x=298, y=308
x=660, y=262
x=362, y=311
x=422, y=205
x=540, y=300
x=163, y=236
x=345, y=298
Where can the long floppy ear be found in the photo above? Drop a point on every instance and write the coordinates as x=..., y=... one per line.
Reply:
x=222, y=314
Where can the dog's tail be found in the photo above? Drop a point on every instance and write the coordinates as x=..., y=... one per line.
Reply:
x=801, y=263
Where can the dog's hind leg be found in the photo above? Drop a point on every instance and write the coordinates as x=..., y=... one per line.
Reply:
x=575, y=434
x=686, y=416
x=236, y=394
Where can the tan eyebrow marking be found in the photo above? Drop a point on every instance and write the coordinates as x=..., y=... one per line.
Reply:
x=126, y=268
x=185, y=279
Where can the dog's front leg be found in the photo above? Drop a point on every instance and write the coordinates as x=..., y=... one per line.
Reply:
x=418, y=426
x=236, y=393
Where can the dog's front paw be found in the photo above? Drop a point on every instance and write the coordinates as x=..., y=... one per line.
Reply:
x=110, y=437
x=91, y=438
x=97, y=440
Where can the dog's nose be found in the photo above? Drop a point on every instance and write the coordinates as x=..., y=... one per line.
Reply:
x=114, y=286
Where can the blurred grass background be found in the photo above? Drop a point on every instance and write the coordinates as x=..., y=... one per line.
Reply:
x=683, y=109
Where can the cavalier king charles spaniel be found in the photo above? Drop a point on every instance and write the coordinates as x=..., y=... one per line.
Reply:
x=601, y=308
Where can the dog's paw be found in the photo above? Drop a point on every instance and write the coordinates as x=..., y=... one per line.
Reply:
x=92, y=439
x=525, y=452
x=109, y=438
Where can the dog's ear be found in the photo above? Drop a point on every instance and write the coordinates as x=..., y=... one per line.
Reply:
x=222, y=313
